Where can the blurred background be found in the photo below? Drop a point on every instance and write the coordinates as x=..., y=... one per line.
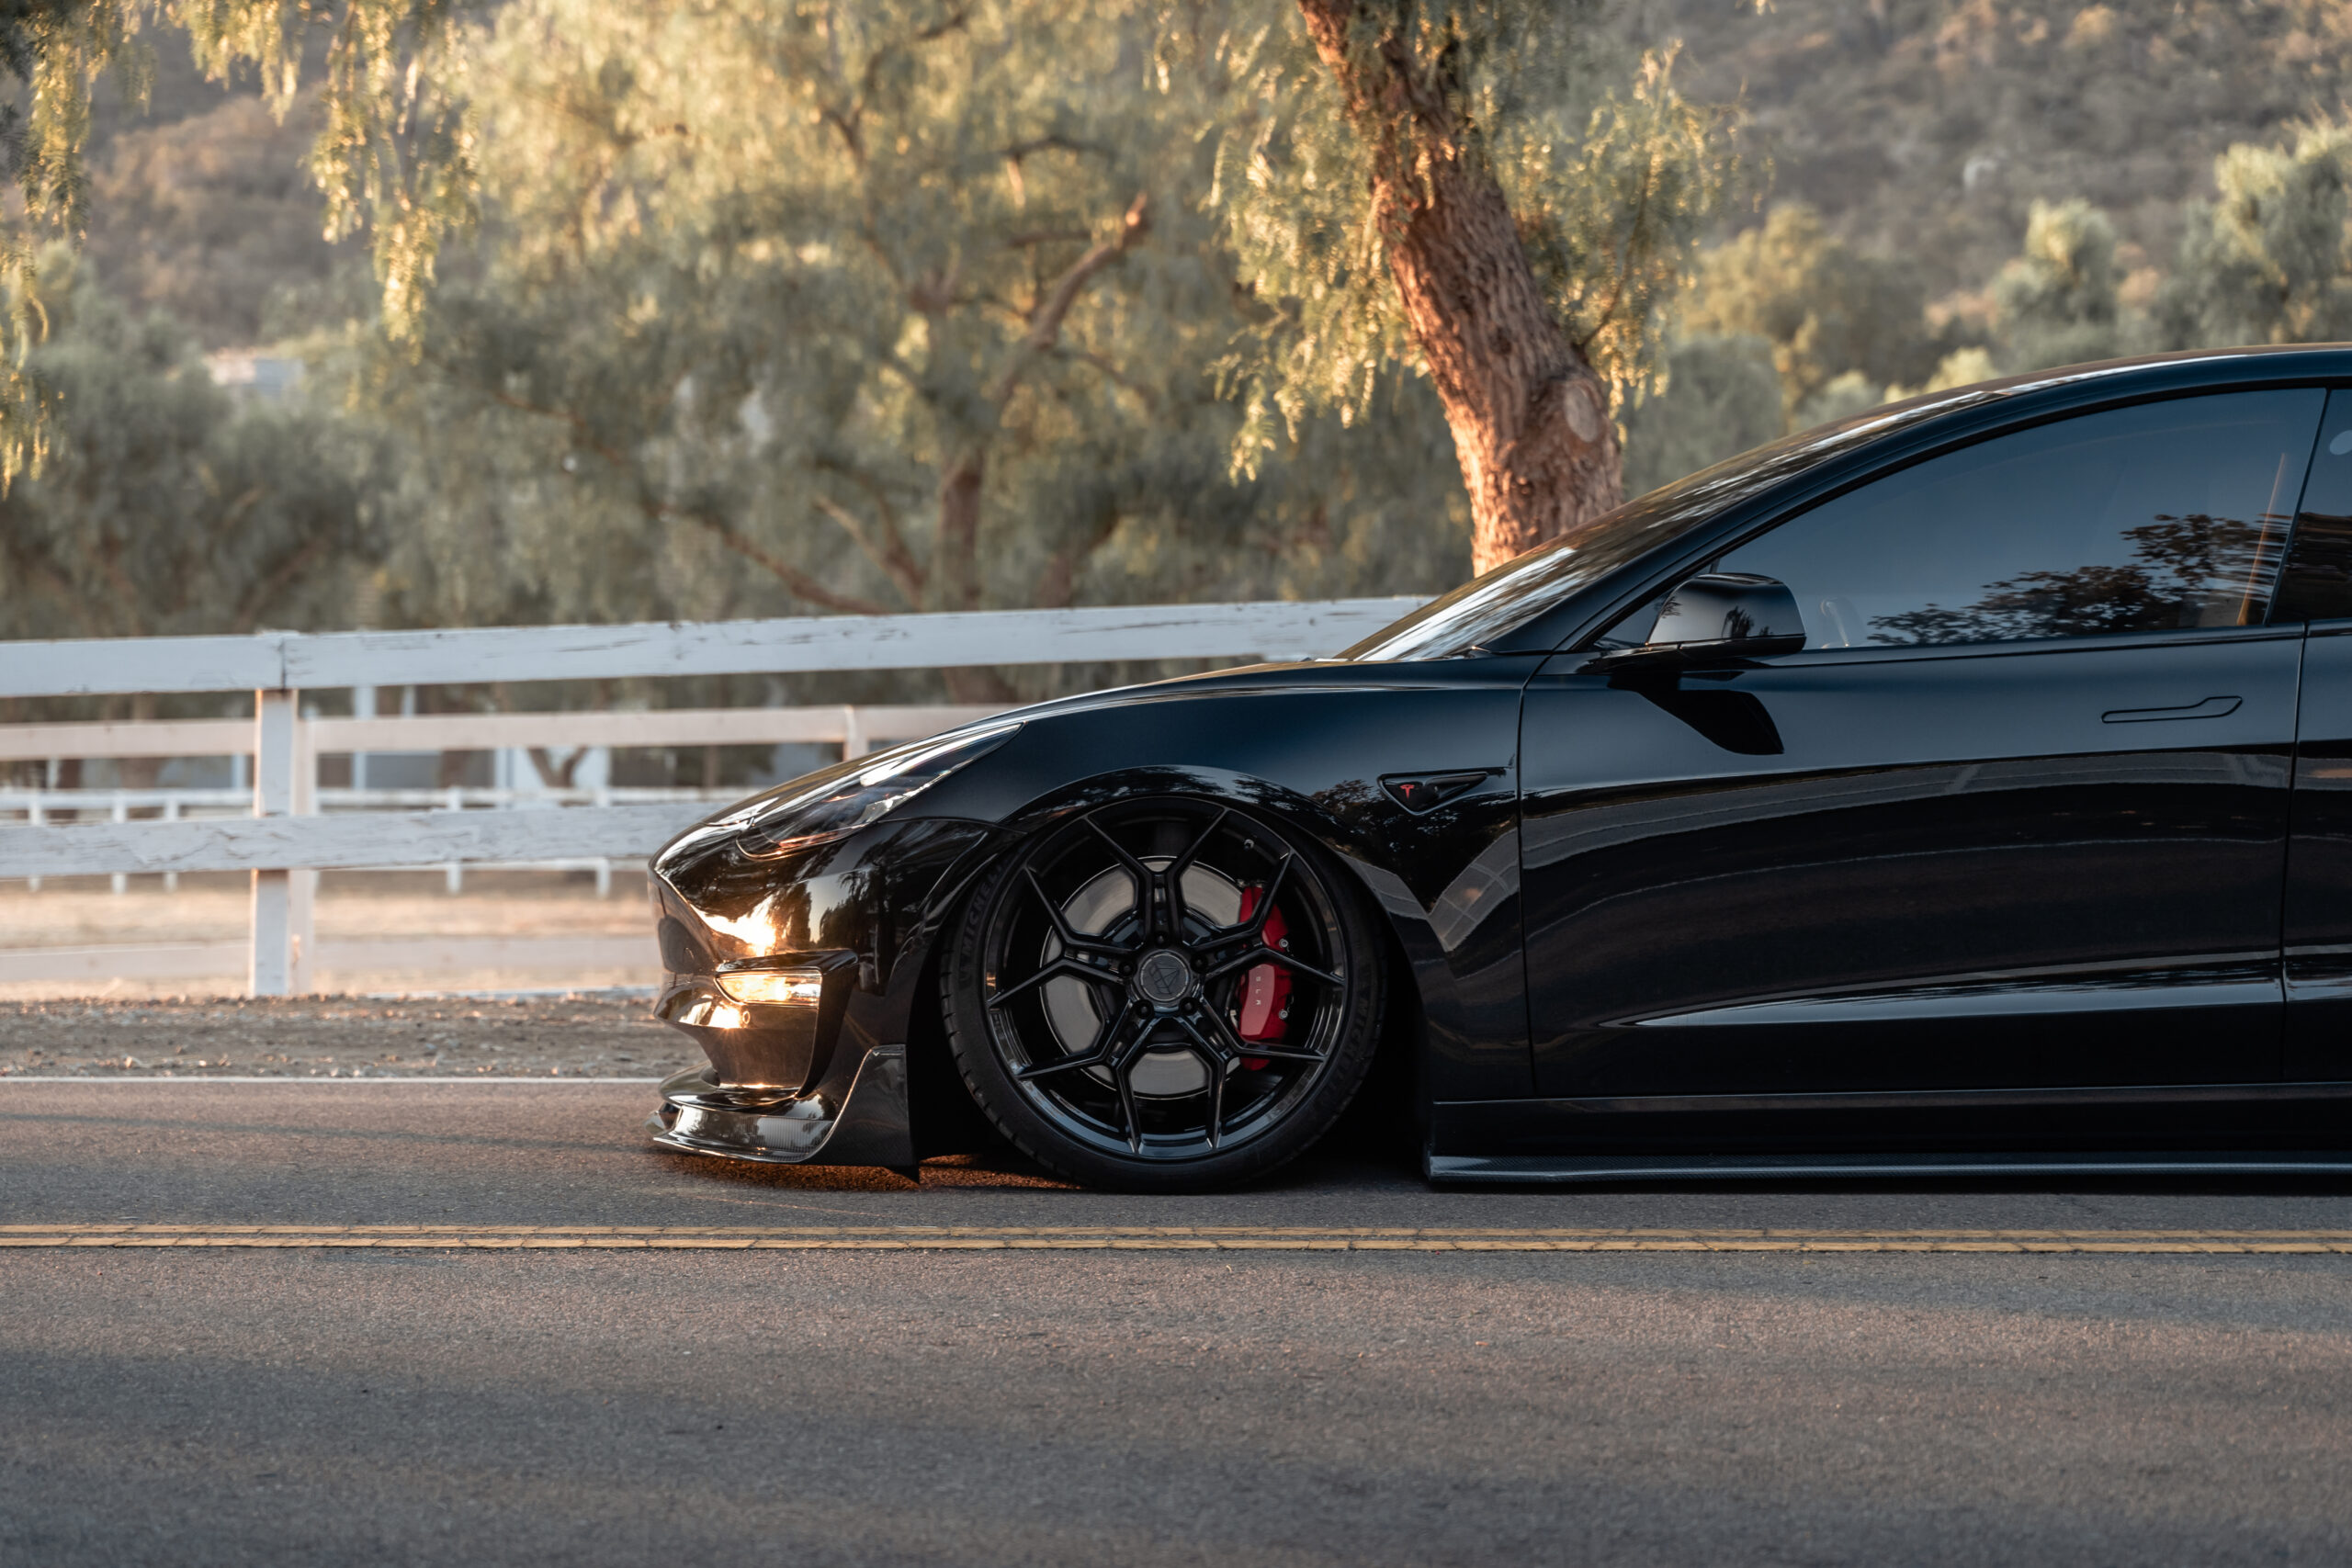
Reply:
x=713, y=293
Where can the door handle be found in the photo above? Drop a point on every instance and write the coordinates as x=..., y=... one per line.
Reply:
x=2212, y=708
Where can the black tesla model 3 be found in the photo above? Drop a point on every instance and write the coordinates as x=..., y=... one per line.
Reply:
x=1964, y=786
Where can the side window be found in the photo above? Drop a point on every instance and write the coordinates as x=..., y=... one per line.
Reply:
x=2318, y=584
x=2148, y=518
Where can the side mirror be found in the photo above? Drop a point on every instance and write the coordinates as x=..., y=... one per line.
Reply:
x=1718, y=616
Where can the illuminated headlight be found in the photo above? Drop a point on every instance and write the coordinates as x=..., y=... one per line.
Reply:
x=845, y=800
x=774, y=987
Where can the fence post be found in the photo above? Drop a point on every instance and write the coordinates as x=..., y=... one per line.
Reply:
x=119, y=882
x=36, y=815
x=302, y=882
x=604, y=797
x=171, y=814
x=270, y=971
x=453, y=876
x=852, y=734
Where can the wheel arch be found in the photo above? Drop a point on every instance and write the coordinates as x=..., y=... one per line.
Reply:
x=1391, y=1102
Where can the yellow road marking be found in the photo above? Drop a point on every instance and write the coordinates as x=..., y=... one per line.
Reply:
x=1168, y=1239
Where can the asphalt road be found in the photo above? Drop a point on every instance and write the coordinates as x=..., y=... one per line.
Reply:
x=260, y=1406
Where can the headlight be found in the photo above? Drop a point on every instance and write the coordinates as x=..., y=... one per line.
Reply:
x=774, y=987
x=841, y=805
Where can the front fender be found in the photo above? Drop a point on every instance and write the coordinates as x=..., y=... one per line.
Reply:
x=1445, y=881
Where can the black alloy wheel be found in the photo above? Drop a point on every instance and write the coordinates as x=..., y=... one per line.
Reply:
x=1164, y=994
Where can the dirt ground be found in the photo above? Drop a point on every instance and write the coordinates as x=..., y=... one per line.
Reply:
x=579, y=1034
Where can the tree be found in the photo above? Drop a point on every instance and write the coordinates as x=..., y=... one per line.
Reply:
x=1719, y=397
x=1455, y=184
x=1825, y=310
x=164, y=507
x=2270, y=261
x=895, y=308
x=2059, y=302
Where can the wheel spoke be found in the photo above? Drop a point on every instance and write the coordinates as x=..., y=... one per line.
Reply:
x=1261, y=953
x=1213, y=1058
x=1071, y=940
x=1122, y=1078
x=1060, y=1065
x=1255, y=926
x=1171, y=876
x=1235, y=1045
x=1059, y=967
x=1097, y=1052
x=1147, y=901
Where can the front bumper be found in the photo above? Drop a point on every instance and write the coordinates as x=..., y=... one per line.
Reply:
x=866, y=1122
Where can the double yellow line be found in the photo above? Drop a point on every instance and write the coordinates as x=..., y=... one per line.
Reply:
x=1164, y=1239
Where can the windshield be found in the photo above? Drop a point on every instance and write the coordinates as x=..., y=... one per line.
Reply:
x=1481, y=610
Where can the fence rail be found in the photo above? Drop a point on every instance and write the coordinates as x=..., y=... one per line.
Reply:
x=462, y=655
x=855, y=727
x=284, y=841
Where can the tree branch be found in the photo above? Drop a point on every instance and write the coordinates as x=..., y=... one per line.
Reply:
x=1046, y=321
x=849, y=524
x=898, y=562
x=257, y=599
x=801, y=584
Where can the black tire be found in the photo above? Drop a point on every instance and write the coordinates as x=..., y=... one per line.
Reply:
x=1223, y=972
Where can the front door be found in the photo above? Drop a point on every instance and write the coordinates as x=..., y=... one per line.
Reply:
x=2014, y=818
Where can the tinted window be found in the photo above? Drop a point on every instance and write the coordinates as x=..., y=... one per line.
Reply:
x=1488, y=608
x=2148, y=518
x=2318, y=585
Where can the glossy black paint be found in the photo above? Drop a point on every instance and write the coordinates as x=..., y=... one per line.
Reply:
x=1969, y=897
x=1947, y=847
x=2319, y=869
x=1307, y=743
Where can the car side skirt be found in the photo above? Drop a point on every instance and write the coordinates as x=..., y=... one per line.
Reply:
x=1562, y=1171
x=1875, y=1127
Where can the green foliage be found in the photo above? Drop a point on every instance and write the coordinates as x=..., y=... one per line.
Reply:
x=56, y=49
x=2057, y=302
x=757, y=291
x=2272, y=260
x=166, y=507
x=1611, y=184
x=1826, y=309
x=1720, y=396
x=396, y=151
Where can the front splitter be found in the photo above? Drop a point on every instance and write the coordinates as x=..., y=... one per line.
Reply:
x=867, y=1125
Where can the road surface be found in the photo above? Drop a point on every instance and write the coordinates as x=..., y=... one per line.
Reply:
x=710, y=1399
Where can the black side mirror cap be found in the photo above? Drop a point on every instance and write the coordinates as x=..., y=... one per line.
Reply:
x=1716, y=617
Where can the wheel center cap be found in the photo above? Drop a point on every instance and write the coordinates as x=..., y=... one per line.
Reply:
x=1163, y=978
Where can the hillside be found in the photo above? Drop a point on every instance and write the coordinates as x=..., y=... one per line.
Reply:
x=1924, y=129
x=200, y=205
x=1919, y=128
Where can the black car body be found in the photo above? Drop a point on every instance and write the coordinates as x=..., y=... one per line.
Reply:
x=2036, y=849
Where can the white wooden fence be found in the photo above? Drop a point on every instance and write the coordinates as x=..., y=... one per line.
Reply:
x=284, y=843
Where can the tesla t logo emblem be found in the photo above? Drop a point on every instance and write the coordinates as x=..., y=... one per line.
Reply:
x=1163, y=978
x=1427, y=792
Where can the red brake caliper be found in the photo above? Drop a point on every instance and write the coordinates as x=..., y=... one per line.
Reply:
x=1265, y=989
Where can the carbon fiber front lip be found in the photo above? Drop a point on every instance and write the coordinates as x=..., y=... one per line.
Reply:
x=870, y=1125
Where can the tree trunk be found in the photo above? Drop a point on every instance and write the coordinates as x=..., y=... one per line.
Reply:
x=1529, y=419
x=955, y=571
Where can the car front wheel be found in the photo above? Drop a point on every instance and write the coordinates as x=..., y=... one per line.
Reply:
x=1164, y=994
